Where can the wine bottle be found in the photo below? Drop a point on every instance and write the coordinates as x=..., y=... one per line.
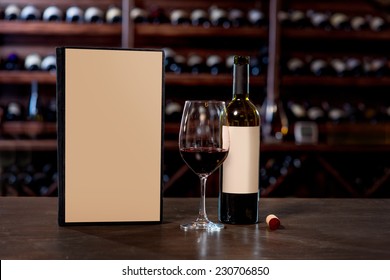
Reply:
x=219, y=17
x=33, y=112
x=256, y=17
x=284, y=18
x=295, y=66
x=114, y=15
x=74, y=14
x=359, y=23
x=377, y=23
x=196, y=64
x=215, y=64
x=354, y=66
x=255, y=67
x=237, y=18
x=94, y=15
x=139, y=15
x=296, y=111
x=52, y=13
x=239, y=175
x=298, y=19
x=320, y=20
x=339, y=67
x=340, y=21
x=14, y=111
x=319, y=67
x=12, y=62
x=200, y=17
x=179, y=16
x=49, y=63
x=33, y=62
x=157, y=15
x=378, y=67
x=169, y=55
x=12, y=12
x=30, y=12
x=178, y=64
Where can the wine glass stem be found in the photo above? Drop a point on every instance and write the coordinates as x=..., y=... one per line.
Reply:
x=202, y=217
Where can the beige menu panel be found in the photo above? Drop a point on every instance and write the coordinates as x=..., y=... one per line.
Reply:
x=113, y=135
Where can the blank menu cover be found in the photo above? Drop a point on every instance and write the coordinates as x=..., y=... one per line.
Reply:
x=110, y=135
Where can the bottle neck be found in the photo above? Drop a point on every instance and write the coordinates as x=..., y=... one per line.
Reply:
x=241, y=80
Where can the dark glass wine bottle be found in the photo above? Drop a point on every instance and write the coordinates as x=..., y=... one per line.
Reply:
x=30, y=12
x=114, y=15
x=52, y=13
x=200, y=17
x=12, y=12
x=74, y=14
x=239, y=176
x=94, y=15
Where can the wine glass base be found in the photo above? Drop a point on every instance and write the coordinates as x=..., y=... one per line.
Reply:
x=209, y=226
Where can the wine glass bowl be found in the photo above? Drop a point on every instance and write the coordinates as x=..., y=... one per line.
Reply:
x=203, y=145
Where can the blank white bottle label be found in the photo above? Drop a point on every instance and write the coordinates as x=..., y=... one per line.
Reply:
x=241, y=167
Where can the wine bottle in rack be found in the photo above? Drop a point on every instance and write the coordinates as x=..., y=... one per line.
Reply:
x=179, y=16
x=12, y=62
x=30, y=12
x=157, y=15
x=337, y=115
x=229, y=62
x=173, y=111
x=14, y=111
x=219, y=17
x=239, y=174
x=296, y=111
x=237, y=18
x=215, y=64
x=354, y=66
x=340, y=21
x=196, y=64
x=339, y=67
x=139, y=15
x=255, y=67
x=284, y=18
x=12, y=12
x=74, y=14
x=377, y=23
x=49, y=63
x=378, y=67
x=359, y=23
x=114, y=15
x=33, y=62
x=50, y=111
x=52, y=13
x=298, y=19
x=256, y=17
x=94, y=15
x=319, y=20
x=316, y=114
x=200, y=17
x=295, y=66
x=320, y=67
x=34, y=110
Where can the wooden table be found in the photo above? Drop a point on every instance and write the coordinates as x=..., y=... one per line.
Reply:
x=312, y=229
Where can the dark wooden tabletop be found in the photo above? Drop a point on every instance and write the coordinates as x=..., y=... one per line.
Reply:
x=311, y=229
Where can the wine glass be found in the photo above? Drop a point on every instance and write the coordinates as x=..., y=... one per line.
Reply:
x=204, y=145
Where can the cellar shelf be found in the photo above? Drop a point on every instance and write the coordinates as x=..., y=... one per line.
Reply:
x=167, y=30
x=26, y=77
x=310, y=33
x=335, y=81
x=58, y=28
x=28, y=145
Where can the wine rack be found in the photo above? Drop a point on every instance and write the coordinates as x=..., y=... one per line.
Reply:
x=35, y=140
x=292, y=39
